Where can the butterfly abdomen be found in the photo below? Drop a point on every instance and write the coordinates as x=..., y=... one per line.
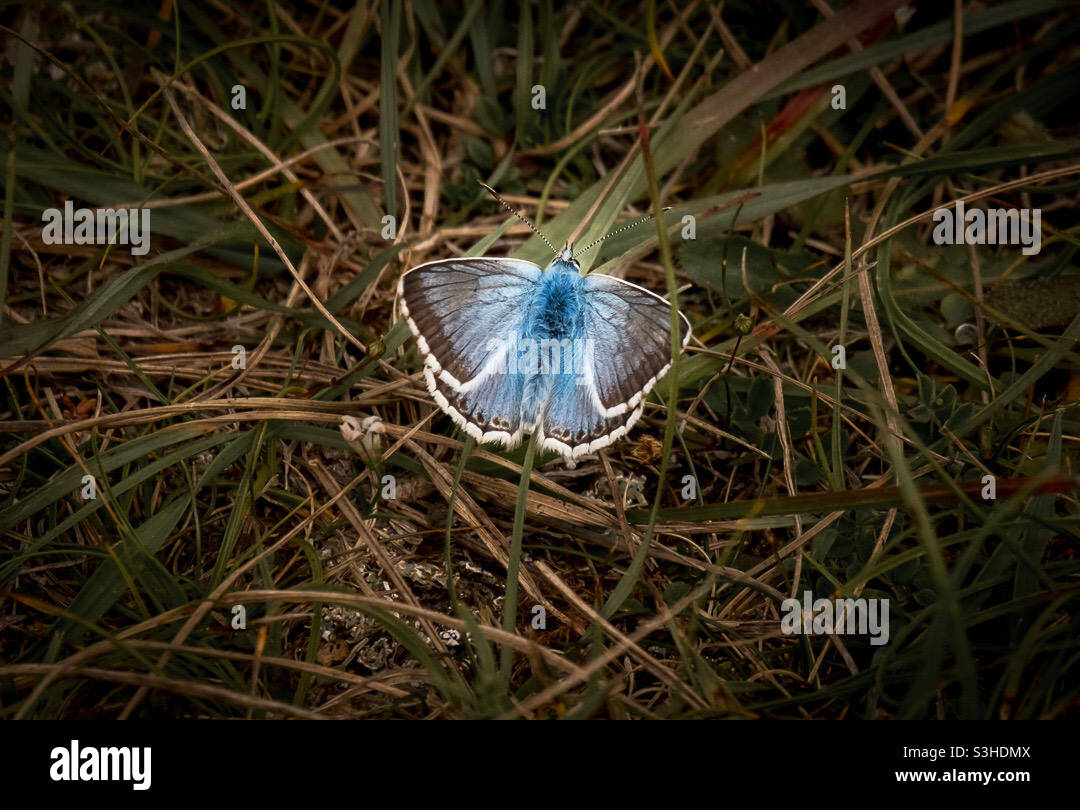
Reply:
x=534, y=399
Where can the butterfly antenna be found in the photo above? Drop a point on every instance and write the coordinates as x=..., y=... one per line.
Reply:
x=522, y=217
x=628, y=226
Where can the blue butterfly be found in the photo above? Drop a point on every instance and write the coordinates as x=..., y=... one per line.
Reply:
x=511, y=349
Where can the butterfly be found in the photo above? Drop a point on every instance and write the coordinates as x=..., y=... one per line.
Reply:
x=510, y=348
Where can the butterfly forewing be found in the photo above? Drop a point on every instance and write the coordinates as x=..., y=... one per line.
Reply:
x=631, y=329
x=457, y=309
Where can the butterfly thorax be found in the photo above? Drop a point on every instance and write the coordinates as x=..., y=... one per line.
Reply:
x=558, y=313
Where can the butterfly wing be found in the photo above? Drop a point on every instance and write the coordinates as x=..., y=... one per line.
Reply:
x=626, y=350
x=464, y=314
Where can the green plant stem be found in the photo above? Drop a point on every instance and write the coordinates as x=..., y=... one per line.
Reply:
x=509, y=621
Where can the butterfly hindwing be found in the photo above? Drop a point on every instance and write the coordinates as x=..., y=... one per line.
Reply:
x=574, y=425
x=489, y=412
